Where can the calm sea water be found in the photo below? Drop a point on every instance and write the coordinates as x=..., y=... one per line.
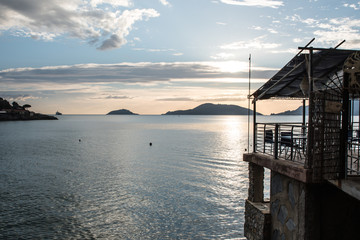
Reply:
x=90, y=177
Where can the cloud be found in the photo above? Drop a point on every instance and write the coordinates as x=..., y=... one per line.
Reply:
x=212, y=98
x=112, y=97
x=16, y=96
x=223, y=56
x=175, y=99
x=117, y=3
x=154, y=50
x=270, y=30
x=255, y=3
x=97, y=88
x=333, y=30
x=74, y=76
x=354, y=6
x=113, y=42
x=105, y=28
x=256, y=43
x=165, y=2
x=173, y=52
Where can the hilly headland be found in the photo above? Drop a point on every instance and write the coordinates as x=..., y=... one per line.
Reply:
x=213, y=109
x=15, y=112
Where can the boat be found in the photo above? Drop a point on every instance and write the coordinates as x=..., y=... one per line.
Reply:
x=58, y=113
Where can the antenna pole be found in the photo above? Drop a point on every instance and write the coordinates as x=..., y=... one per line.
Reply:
x=248, y=149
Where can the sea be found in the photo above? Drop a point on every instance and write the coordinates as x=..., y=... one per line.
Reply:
x=124, y=177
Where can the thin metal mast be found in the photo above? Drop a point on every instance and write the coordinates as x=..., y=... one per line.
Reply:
x=248, y=149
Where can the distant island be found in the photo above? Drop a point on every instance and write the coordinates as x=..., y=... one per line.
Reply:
x=213, y=109
x=121, y=112
x=298, y=111
x=15, y=112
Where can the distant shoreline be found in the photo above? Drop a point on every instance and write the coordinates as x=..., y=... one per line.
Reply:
x=16, y=112
x=24, y=116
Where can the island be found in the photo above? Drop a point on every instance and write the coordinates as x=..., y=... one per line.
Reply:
x=298, y=111
x=15, y=112
x=121, y=112
x=213, y=109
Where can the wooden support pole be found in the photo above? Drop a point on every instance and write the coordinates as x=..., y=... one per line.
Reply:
x=344, y=127
x=310, y=137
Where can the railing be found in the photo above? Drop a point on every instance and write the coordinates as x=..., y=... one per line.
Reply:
x=288, y=141
x=282, y=140
x=353, y=153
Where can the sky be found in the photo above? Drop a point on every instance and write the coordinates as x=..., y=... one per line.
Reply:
x=154, y=56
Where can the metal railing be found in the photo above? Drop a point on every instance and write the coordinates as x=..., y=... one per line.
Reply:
x=288, y=141
x=353, y=153
x=282, y=140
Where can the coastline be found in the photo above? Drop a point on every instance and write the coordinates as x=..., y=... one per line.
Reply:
x=24, y=116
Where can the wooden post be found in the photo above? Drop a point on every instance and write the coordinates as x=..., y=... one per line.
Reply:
x=310, y=137
x=344, y=127
x=304, y=118
x=276, y=144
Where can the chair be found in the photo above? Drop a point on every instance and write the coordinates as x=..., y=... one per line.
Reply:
x=285, y=142
x=268, y=140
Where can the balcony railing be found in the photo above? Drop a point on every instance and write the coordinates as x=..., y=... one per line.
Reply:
x=282, y=140
x=288, y=141
x=353, y=153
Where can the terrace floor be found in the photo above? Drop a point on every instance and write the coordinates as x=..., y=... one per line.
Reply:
x=288, y=168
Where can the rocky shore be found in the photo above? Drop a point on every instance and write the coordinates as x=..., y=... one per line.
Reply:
x=15, y=112
x=23, y=116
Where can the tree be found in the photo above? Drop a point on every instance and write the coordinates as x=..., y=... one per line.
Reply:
x=26, y=106
x=4, y=104
x=15, y=105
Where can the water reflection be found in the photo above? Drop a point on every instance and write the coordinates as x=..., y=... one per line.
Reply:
x=190, y=184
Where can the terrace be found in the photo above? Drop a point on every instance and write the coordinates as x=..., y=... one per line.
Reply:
x=314, y=164
x=327, y=141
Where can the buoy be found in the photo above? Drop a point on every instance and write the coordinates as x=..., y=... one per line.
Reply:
x=150, y=144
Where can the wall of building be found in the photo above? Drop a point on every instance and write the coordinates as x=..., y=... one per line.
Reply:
x=257, y=221
x=311, y=211
x=290, y=206
x=299, y=209
x=340, y=218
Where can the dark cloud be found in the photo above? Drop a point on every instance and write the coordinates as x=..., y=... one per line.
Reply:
x=113, y=97
x=78, y=19
x=123, y=73
x=113, y=42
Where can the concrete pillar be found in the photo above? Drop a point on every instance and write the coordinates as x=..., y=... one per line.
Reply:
x=256, y=183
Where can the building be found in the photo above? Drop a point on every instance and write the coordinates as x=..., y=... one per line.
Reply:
x=314, y=164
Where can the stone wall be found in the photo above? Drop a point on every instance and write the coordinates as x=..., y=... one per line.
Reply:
x=257, y=221
x=287, y=207
x=256, y=183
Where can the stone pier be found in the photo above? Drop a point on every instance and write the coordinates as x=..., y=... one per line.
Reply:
x=299, y=208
